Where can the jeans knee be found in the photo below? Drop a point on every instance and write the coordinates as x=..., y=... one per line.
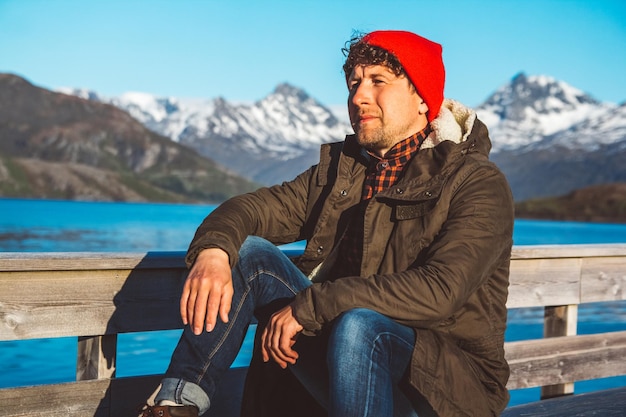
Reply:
x=354, y=327
x=257, y=246
x=267, y=272
x=257, y=253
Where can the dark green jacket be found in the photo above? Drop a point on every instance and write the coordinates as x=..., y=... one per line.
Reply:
x=436, y=254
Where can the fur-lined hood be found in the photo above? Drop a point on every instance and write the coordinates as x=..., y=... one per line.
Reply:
x=454, y=123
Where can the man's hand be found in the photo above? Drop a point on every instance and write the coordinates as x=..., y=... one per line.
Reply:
x=279, y=336
x=207, y=291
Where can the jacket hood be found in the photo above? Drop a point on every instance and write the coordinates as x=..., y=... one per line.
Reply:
x=454, y=123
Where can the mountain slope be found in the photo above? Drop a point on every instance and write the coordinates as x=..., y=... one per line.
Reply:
x=531, y=108
x=54, y=145
x=550, y=138
x=269, y=141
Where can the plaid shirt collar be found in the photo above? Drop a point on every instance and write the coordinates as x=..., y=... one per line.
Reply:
x=383, y=172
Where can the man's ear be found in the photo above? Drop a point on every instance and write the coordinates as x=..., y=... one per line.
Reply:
x=423, y=107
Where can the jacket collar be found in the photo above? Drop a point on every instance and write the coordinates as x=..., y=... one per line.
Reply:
x=454, y=123
x=455, y=132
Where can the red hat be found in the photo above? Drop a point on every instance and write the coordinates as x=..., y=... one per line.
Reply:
x=422, y=61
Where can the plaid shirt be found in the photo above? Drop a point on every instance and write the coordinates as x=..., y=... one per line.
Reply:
x=381, y=174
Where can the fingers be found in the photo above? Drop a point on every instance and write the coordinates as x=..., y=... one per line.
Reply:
x=219, y=300
x=276, y=349
x=226, y=302
x=207, y=292
x=265, y=354
x=184, y=300
x=278, y=338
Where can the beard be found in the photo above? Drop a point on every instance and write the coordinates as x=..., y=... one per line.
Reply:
x=381, y=138
x=374, y=139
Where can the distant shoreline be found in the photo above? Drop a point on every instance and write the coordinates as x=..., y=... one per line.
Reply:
x=604, y=203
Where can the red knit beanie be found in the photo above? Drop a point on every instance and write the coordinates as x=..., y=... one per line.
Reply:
x=422, y=61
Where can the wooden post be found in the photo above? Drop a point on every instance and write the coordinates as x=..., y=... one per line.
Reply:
x=96, y=357
x=559, y=321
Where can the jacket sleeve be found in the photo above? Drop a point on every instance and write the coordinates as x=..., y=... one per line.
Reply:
x=275, y=213
x=473, y=242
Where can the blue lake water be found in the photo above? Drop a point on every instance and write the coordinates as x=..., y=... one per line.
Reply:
x=59, y=226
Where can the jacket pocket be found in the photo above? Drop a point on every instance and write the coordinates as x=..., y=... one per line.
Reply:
x=412, y=211
x=418, y=208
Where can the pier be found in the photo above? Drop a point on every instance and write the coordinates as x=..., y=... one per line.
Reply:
x=96, y=296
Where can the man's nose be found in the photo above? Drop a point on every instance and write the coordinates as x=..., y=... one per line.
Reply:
x=361, y=94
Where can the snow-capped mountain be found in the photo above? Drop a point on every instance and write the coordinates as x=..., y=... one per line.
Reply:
x=548, y=137
x=532, y=108
x=607, y=128
x=54, y=145
x=286, y=128
x=168, y=116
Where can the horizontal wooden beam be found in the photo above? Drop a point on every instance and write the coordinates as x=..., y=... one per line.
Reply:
x=42, y=295
x=544, y=282
x=568, y=251
x=78, y=399
x=77, y=261
x=605, y=403
x=108, y=397
x=41, y=261
x=45, y=304
x=559, y=360
x=603, y=279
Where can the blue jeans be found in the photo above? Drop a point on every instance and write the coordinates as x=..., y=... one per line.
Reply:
x=353, y=372
x=361, y=366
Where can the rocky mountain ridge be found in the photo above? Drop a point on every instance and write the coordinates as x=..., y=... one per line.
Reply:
x=551, y=138
x=268, y=141
x=53, y=145
x=530, y=109
x=548, y=137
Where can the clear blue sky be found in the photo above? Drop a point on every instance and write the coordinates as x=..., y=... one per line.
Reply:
x=241, y=50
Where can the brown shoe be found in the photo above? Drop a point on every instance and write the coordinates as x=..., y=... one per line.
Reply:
x=169, y=411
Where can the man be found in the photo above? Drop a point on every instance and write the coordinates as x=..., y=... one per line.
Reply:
x=397, y=305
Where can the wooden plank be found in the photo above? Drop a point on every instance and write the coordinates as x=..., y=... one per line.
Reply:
x=560, y=360
x=568, y=251
x=121, y=397
x=544, y=282
x=39, y=261
x=559, y=321
x=533, y=281
x=109, y=397
x=606, y=403
x=75, y=399
x=96, y=357
x=99, y=302
x=603, y=279
x=69, y=261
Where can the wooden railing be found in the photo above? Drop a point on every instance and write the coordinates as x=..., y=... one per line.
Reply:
x=96, y=296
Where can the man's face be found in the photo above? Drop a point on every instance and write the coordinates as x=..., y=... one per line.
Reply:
x=384, y=108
